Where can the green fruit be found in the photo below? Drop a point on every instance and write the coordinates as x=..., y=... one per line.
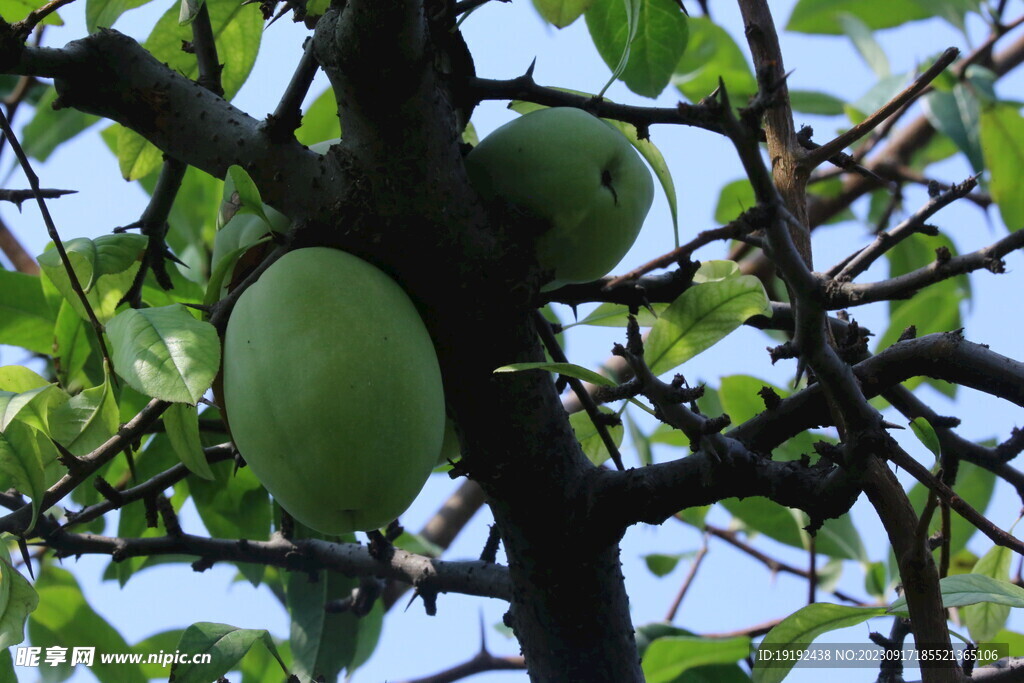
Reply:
x=333, y=390
x=576, y=172
x=451, y=447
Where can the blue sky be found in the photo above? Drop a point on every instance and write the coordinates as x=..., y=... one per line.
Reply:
x=730, y=592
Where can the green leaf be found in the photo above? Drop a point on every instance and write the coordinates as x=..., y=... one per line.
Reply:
x=324, y=644
x=165, y=352
x=970, y=589
x=701, y=317
x=957, y=114
x=137, y=157
x=25, y=318
x=237, y=32
x=712, y=54
x=227, y=645
x=1002, y=141
x=188, y=10
x=193, y=219
x=104, y=267
x=414, y=543
x=31, y=407
x=590, y=439
x=615, y=315
x=17, y=600
x=668, y=657
x=986, y=619
x=248, y=193
x=822, y=16
x=740, y=396
x=694, y=516
x=320, y=122
x=73, y=344
x=880, y=93
x=16, y=10
x=233, y=503
x=567, y=369
x=663, y=565
x=953, y=11
x=86, y=420
x=815, y=102
x=836, y=537
x=103, y=13
x=182, y=423
x=50, y=127
x=63, y=618
x=735, y=198
x=24, y=454
x=925, y=433
x=164, y=641
x=561, y=13
x=875, y=582
x=864, y=42
x=641, y=442
x=713, y=271
x=935, y=309
x=794, y=633
x=643, y=60
x=7, y=674
x=258, y=666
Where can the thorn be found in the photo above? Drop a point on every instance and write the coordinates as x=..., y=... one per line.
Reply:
x=25, y=557
x=169, y=255
x=483, y=635
x=529, y=69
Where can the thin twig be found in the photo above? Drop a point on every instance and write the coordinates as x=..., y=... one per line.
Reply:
x=903, y=286
x=51, y=229
x=774, y=565
x=884, y=241
x=481, y=662
x=469, y=5
x=687, y=582
x=288, y=115
x=25, y=26
x=732, y=230
x=547, y=336
x=817, y=157
x=157, y=483
x=946, y=495
x=17, y=521
x=206, y=51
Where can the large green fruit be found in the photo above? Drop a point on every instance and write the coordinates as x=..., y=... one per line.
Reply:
x=333, y=390
x=576, y=172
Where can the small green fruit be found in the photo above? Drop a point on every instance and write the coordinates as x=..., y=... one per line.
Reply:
x=333, y=390
x=451, y=447
x=576, y=172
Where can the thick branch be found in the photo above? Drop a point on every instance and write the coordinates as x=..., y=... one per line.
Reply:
x=941, y=356
x=111, y=75
x=470, y=578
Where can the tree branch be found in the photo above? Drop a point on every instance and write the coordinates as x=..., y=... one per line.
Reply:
x=846, y=294
x=818, y=156
x=17, y=521
x=469, y=578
